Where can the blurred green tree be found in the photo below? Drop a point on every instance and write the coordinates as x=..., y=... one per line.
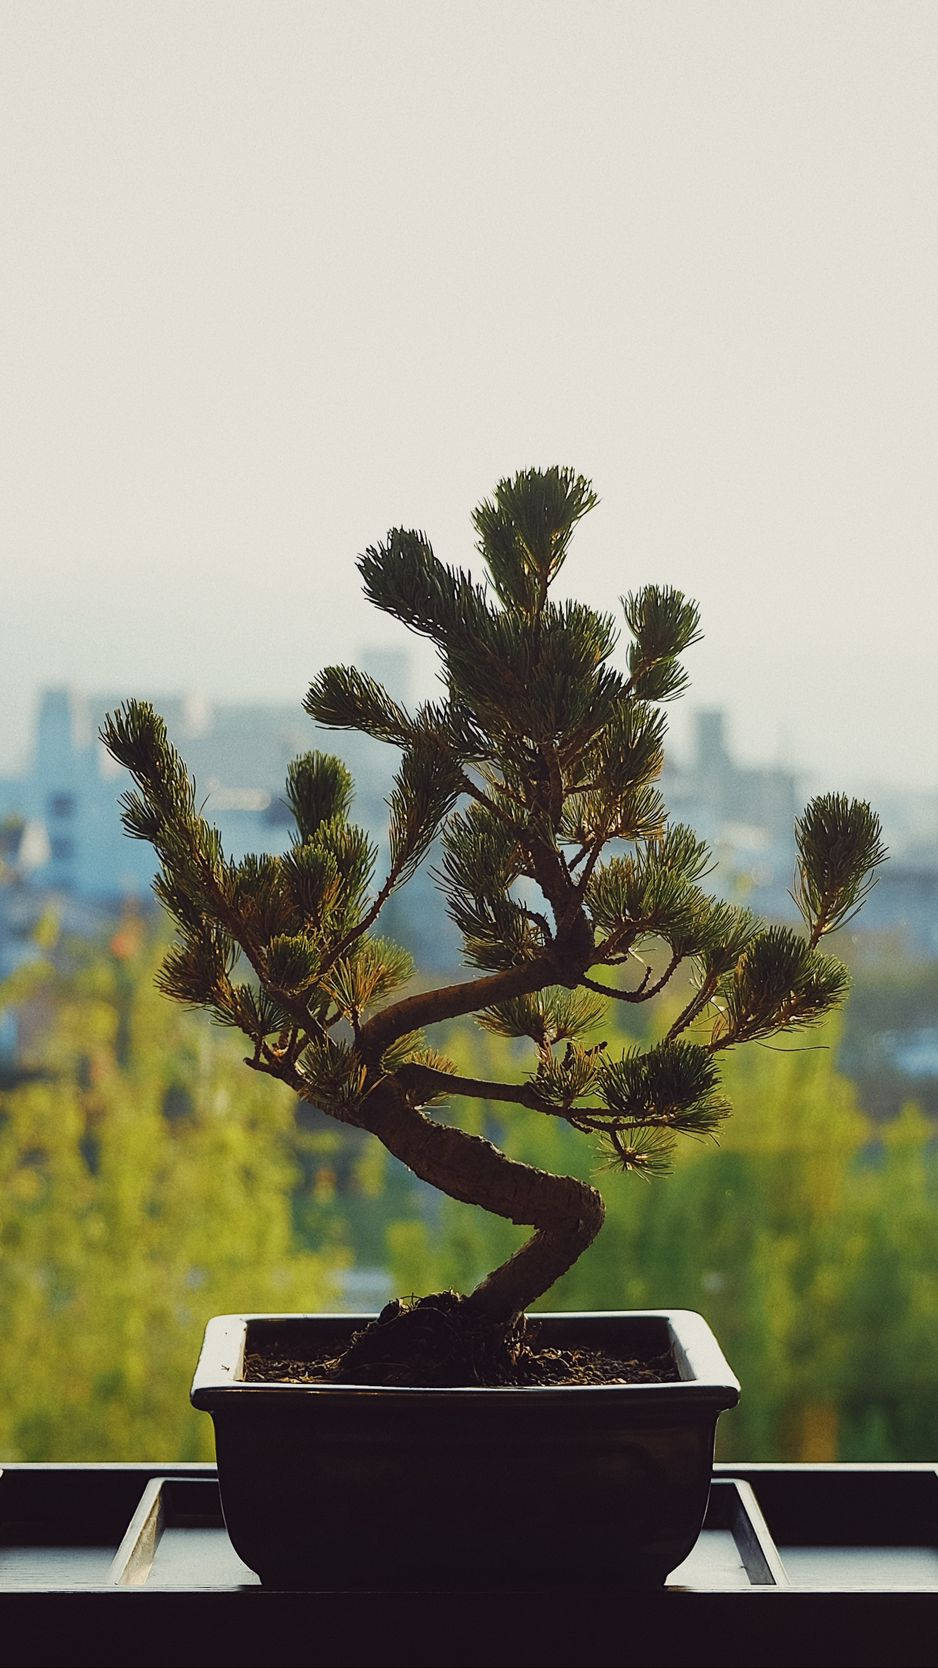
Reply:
x=145, y=1183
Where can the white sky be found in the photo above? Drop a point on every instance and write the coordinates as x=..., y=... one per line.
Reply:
x=277, y=276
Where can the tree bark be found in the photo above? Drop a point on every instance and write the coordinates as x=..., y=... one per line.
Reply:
x=565, y=1213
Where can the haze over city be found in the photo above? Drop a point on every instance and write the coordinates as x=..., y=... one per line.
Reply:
x=278, y=277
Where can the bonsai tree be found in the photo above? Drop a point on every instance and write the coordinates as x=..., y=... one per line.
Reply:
x=536, y=770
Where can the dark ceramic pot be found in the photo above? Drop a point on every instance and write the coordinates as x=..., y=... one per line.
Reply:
x=338, y=1486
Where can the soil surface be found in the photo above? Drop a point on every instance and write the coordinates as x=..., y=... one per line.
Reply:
x=433, y=1344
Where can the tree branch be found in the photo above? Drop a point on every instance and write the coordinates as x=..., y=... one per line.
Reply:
x=641, y=993
x=595, y=852
x=449, y=1001
x=619, y=942
x=492, y=805
x=420, y=1078
x=694, y=1008
x=360, y=927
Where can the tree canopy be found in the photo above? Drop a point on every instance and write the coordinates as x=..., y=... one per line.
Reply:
x=537, y=772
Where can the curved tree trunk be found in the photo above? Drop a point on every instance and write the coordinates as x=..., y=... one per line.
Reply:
x=566, y=1214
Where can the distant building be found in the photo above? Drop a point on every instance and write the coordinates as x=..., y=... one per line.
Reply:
x=69, y=839
x=904, y=902
x=746, y=813
x=237, y=755
x=64, y=835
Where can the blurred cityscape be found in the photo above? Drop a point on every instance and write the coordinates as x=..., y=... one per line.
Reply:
x=62, y=846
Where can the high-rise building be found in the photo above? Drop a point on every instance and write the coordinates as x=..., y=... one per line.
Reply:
x=238, y=755
x=746, y=813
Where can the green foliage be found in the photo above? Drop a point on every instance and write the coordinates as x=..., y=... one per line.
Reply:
x=343, y=698
x=290, y=963
x=637, y=895
x=254, y=1011
x=673, y=1084
x=497, y=932
x=839, y=848
x=730, y=931
x=663, y=624
x=311, y=879
x=411, y=1049
x=404, y=578
x=147, y=1181
x=611, y=794
x=681, y=850
x=542, y=680
x=289, y=917
x=779, y=982
x=354, y=856
x=555, y=747
x=524, y=534
x=197, y=966
x=425, y=790
x=374, y=968
x=628, y=753
x=547, y=1016
x=481, y=860
x=136, y=737
x=332, y=1073
x=648, y=895
x=258, y=894
x=319, y=789
x=482, y=855
x=562, y=1081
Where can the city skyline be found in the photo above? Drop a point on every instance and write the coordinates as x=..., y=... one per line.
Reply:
x=778, y=748
x=64, y=837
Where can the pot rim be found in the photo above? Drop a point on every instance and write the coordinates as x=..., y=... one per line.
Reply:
x=707, y=1380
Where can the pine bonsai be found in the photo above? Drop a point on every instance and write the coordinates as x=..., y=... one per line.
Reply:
x=536, y=770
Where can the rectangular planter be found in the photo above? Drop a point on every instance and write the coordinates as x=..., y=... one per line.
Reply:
x=474, y=1486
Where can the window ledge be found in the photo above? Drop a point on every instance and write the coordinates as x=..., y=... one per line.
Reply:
x=111, y=1564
